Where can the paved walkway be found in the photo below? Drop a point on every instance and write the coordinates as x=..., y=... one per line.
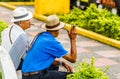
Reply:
x=105, y=55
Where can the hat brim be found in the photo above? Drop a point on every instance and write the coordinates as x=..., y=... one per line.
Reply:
x=30, y=15
x=43, y=26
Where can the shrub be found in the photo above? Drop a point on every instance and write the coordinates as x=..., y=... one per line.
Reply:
x=88, y=71
x=100, y=21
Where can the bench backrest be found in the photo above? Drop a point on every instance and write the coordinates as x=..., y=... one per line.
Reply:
x=6, y=65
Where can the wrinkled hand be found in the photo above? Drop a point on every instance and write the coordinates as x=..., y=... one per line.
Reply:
x=72, y=33
x=68, y=68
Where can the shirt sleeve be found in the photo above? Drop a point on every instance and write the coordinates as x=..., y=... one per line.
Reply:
x=56, y=49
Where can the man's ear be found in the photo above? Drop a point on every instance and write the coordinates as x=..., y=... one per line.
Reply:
x=20, y=22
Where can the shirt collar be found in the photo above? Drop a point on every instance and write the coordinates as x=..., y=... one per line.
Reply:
x=18, y=27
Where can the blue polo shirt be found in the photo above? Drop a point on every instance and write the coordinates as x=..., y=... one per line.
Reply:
x=43, y=53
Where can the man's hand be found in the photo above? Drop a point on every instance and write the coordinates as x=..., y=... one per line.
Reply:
x=68, y=68
x=72, y=33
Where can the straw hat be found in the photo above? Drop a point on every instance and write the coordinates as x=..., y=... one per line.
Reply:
x=52, y=23
x=20, y=14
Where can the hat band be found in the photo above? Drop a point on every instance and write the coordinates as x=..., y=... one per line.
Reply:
x=21, y=16
x=50, y=27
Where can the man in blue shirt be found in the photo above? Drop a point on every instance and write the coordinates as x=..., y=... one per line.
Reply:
x=40, y=61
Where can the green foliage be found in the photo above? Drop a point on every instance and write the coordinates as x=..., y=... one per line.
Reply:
x=0, y=75
x=3, y=25
x=99, y=21
x=88, y=71
x=16, y=0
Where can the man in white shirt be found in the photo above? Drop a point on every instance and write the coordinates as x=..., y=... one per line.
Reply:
x=21, y=22
x=21, y=19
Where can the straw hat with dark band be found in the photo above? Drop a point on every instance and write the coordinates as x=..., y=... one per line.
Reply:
x=52, y=23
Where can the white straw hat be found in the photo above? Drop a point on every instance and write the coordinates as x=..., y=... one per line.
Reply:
x=20, y=14
x=52, y=23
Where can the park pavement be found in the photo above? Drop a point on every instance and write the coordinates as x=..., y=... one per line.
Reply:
x=105, y=55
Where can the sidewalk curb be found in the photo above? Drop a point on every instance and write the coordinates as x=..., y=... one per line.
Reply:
x=96, y=36
x=7, y=5
x=21, y=3
x=80, y=31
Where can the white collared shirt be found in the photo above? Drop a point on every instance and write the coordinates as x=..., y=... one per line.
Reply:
x=15, y=32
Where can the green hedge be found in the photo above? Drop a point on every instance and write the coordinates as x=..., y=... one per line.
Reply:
x=3, y=25
x=99, y=21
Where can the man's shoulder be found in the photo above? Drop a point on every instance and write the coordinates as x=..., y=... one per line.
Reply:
x=17, y=28
x=16, y=31
x=5, y=31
